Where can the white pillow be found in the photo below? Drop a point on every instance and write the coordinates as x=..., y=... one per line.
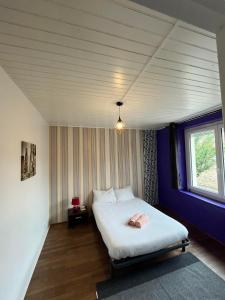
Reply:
x=124, y=194
x=104, y=196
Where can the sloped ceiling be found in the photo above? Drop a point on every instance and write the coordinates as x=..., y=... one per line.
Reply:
x=75, y=58
x=206, y=14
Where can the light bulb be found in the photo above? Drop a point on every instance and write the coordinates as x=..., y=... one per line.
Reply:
x=119, y=125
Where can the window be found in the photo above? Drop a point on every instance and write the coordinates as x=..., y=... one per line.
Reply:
x=205, y=160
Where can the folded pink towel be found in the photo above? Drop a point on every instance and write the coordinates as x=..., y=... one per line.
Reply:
x=141, y=221
x=134, y=219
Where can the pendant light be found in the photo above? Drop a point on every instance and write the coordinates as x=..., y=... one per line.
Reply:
x=119, y=125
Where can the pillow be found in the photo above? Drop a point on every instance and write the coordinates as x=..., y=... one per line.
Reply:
x=124, y=194
x=104, y=196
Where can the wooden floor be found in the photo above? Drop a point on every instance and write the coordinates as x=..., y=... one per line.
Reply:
x=73, y=260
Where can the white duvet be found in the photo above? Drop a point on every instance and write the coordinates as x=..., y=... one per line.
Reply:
x=125, y=241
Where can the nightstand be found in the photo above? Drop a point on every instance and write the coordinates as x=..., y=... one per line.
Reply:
x=77, y=216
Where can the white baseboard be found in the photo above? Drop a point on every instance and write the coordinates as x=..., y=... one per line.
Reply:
x=32, y=267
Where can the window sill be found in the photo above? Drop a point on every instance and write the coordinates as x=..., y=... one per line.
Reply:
x=204, y=199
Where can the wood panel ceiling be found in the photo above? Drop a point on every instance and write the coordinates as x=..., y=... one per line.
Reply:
x=75, y=58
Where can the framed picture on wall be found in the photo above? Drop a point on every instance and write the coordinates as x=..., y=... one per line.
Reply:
x=28, y=160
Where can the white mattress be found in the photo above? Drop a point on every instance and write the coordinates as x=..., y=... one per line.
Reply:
x=125, y=241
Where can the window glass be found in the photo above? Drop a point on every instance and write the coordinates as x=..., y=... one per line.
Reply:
x=203, y=160
x=223, y=142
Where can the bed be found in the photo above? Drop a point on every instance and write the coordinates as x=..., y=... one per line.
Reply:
x=128, y=244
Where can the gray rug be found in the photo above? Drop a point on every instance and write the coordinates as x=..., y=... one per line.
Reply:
x=180, y=277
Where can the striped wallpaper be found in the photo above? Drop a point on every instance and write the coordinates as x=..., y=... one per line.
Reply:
x=83, y=159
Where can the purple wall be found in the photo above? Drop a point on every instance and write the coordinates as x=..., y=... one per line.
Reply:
x=206, y=214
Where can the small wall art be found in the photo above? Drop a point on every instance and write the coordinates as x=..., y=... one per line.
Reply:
x=28, y=160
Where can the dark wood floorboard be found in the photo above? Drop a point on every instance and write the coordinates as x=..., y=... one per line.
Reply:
x=73, y=260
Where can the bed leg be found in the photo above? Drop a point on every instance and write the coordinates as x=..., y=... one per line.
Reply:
x=111, y=270
x=183, y=247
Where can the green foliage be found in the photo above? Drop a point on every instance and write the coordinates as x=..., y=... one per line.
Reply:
x=205, y=152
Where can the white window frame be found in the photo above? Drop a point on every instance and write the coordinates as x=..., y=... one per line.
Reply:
x=217, y=127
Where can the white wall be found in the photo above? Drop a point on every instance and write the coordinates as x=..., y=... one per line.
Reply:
x=24, y=205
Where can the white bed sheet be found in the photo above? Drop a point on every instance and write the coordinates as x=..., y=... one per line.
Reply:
x=125, y=241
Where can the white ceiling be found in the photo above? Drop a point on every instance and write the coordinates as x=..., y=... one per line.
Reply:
x=206, y=14
x=75, y=58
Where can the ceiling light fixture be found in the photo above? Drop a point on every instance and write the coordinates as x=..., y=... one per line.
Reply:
x=119, y=125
